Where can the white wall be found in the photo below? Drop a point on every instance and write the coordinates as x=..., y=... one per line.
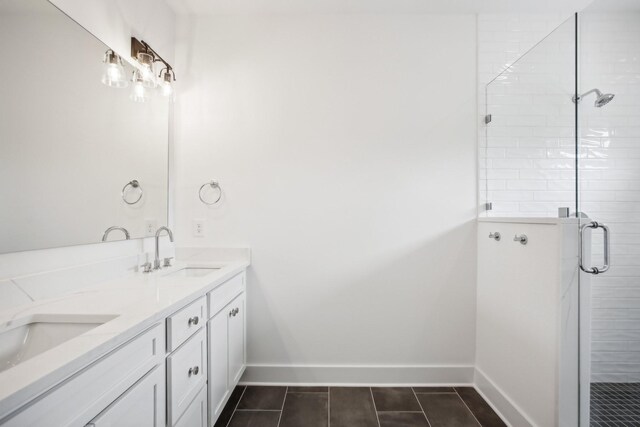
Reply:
x=345, y=146
x=113, y=22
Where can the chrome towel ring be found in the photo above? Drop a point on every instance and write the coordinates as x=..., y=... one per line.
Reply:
x=214, y=185
x=133, y=184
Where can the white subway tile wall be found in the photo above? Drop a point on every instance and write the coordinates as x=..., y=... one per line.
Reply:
x=610, y=192
x=527, y=152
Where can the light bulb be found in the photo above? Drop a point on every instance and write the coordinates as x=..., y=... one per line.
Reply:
x=166, y=89
x=139, y=92
x=113, y=74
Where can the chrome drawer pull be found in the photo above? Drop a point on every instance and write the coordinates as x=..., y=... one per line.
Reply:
x=194, y=370
x=194, y=320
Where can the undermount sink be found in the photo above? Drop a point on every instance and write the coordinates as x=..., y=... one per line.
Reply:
x=193, y=271
x=30, y=336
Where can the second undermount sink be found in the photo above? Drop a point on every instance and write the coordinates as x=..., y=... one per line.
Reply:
x=30, y=336
x=193, y=271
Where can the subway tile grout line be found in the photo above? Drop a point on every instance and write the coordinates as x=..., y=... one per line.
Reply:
x=467, y=406
x=235, y=408
x=282, y=409
x=420, y=405
x=375, y=409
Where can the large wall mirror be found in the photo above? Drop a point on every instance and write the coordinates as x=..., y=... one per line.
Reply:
x=76, y=156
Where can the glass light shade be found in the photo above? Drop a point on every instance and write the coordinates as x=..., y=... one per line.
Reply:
x=165, y=87
x=113, y=74
x=148, y=76
x=139, y=92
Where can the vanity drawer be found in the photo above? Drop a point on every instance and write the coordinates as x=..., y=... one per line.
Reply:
x=184, y=323
x=80, y=398
x=186, y=374
x=225, y=293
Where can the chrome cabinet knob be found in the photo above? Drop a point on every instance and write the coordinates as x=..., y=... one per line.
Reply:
x=234, y=312
x=495, y=236
x=194, y=370
x=194, y=320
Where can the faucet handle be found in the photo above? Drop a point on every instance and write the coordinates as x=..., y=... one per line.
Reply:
x=167, y=262
x=147, y=266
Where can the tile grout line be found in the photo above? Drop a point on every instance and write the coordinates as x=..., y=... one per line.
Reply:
x=282, y=410
x=467, y=406
x=420, y=405
x=375, y=409
x=236, y=407
x=328, y=406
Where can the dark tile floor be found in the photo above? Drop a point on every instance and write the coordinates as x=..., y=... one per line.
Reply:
x=615, y=404
x=357, y=407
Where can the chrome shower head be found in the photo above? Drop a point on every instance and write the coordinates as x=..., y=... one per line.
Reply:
x=602, y=99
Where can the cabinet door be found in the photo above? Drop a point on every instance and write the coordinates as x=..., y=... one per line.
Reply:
x=186, y=374
x=236, y=340
x=196, y=413
x=218, y=361
x=140, y=406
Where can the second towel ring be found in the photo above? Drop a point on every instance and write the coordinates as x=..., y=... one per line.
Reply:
x=214, y=185
x=132, y=184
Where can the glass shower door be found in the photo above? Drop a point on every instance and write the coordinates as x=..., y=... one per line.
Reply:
x=609, y=192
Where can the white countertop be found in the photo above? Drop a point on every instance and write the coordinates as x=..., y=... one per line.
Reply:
x=138, y=300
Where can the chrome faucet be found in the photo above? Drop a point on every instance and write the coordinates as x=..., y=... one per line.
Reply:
x=110, y=229
x=156, y=262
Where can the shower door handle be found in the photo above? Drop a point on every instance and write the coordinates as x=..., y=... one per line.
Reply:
x=607, y=248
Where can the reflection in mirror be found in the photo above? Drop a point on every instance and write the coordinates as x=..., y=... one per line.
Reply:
x=76, y=156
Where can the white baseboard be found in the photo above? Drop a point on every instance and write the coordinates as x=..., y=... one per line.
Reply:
x=353, y=375
x=510, y=413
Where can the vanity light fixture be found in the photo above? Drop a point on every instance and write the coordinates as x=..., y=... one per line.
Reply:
x=113, y=74
x=146, y=56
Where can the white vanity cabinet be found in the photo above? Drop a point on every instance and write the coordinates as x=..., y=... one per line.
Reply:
x=227, y=344
x=179, y=372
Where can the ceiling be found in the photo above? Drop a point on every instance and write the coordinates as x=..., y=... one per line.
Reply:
x=259, y=7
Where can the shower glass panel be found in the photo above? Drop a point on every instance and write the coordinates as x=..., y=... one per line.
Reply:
x=528, y=157
x=609, y=192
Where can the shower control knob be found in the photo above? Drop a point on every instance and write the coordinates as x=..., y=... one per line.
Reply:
x=523, y=239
